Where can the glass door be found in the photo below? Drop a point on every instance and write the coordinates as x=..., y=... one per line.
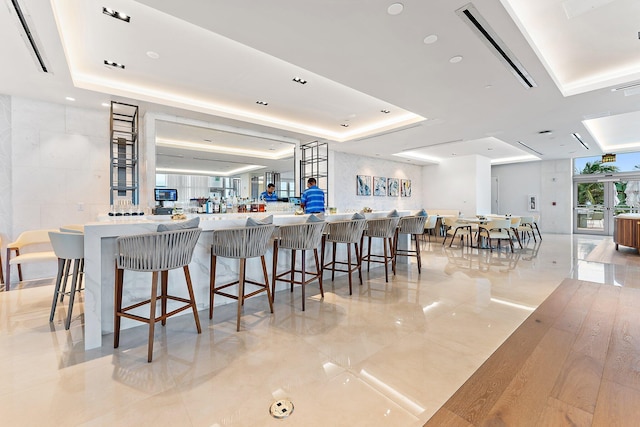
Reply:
x=590, y=207
x=597, y=202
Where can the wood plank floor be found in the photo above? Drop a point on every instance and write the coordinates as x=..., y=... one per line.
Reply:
x=606, y=252
x=574, y=362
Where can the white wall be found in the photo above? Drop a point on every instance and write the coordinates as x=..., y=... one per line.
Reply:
x=460, y=183
x=343, y=169
x=550, y=180
x=56, y=163
x=5, y=171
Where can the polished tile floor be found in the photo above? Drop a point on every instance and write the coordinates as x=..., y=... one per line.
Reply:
x=391, y=354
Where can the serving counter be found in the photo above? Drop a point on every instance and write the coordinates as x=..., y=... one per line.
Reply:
x=100, y=248
x=626, y=230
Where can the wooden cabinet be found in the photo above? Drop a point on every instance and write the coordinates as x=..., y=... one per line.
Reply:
x=625, y=232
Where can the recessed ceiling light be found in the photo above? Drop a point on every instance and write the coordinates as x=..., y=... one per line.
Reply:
x=262, y=103
x=385, y=111
x=395, y=9
x=106, y=104
x=153, y=55
x=300, y=80
x=113, y=64
x=455, y=59
x=345, y=125
x=430, y=39
x=115, y=14
x=68, y=98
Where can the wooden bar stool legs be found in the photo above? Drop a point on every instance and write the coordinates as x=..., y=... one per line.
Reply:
x=241, y=244
x=156, y=253
x=349, y=267
x=242, y=280
x=153, y=303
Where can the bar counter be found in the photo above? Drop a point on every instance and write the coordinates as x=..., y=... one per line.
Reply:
x=99, y=249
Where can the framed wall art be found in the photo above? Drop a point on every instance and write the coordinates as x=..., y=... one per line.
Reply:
x=405, y=188
x=393, y=187
x=532, y=202
x=379, y=186
x=363, y=185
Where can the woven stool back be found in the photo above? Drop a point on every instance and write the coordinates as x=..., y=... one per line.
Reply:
x=346, y=231
x=412, y=224
x=242, y=242
x=301, y=236
x=381, y=227
x=159, y=251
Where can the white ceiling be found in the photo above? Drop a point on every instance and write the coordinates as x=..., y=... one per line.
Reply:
x=217, y=58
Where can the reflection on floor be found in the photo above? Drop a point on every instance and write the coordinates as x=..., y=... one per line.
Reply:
x=391, y=354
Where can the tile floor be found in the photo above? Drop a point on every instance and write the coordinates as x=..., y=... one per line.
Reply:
x=391, y=354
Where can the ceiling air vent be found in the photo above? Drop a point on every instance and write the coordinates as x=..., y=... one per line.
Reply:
x=30, y=36
x=477, y=23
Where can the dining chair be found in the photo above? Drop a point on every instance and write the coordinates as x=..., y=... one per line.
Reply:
x=430, y=226
x=457, y=229
x=30, y=246
x=526, y=226
x=536, y=220
x=515, y=223
x=497, y=229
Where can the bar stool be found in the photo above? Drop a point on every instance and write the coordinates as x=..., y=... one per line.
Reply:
x=414, y=227
x=298, y=237
x=157, y=253
x=382, y=228
x=69, y=248
x=240, y=243
x=76, y=229
x=349, y=232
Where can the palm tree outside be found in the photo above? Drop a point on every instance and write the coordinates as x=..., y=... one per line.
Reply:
x=592, y=193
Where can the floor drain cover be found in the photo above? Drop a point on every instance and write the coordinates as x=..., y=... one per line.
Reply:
x=281, y=408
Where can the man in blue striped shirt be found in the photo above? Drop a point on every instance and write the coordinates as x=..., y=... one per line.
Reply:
x=312, y=199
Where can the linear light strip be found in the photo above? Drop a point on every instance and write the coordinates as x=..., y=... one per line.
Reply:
x=27, y=31
x=529, y=148
x=210, y=172
x=577, y=136
x=219, y=149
